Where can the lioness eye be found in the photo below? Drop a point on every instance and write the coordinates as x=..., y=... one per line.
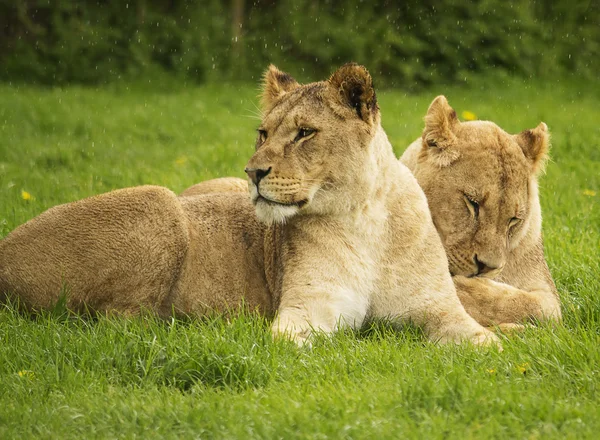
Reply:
x=262, y=136
x=304, y=132
x=473, y=206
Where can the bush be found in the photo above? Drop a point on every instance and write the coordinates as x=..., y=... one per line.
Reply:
x=412, y=43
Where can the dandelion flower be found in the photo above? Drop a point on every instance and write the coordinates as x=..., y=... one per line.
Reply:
x=469, y=116
x=523, y=368
x=589, y=193
x=25, y=195
x=491, y=371
x=26, y=374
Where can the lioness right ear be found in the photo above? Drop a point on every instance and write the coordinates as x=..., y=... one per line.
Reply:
x=353, y=86
x=438, y=136
x=276, y=84
x=535, y=144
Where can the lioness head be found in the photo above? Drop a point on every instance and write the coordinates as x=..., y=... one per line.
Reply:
x=312, y=149
x=481, y=186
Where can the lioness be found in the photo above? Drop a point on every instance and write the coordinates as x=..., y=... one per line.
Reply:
x=345, y=231
x=481, y=184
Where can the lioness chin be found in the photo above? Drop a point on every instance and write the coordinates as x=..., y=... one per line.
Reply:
x=344, y=235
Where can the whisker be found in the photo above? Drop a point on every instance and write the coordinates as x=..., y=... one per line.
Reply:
x=260, y=112
x=257, y=118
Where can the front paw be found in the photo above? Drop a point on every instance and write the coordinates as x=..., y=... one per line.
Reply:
x=549, y=307
x=296, y=330
x=481, y=337
x=486, y=339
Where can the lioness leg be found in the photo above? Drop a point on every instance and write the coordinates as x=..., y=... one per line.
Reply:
x=116, y=252
x=327, y=309
x=494, y=303
x=445, y=320
x=437, y=311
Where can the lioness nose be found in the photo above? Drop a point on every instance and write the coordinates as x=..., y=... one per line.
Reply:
x=257, y=174
x=483, y=267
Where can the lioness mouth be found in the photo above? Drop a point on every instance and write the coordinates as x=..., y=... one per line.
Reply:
x=299, y=204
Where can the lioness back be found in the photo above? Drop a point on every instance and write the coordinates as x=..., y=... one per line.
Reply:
x=116, y=251
x=219, y=185
x=139, y=248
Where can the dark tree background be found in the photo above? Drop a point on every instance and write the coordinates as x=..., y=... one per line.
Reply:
x=411, y=43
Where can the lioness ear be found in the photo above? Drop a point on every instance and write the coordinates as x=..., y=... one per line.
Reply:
x=438, y=136
x=535, y=144
x=276, y=84
x=354, y=87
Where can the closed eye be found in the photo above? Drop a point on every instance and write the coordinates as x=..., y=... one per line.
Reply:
x=304, y=132
x=472, y=205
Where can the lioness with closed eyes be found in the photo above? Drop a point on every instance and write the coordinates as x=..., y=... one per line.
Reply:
x=342, y=232
x=482, y=188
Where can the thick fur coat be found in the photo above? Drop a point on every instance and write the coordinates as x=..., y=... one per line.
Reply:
x=342, y=232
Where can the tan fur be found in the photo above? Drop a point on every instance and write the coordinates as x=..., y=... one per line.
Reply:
x=499, y=171
x=220, y=185
x=346, y=233
x=139, y=248
x=335, y=200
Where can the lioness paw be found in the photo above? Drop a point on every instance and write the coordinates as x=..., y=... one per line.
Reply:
x=484, y=338
x=549, y=307
x=298, y=332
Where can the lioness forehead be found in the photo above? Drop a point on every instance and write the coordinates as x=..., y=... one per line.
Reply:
x=309, y=96
x=488, y=142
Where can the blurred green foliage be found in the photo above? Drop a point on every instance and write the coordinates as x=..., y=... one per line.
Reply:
x=411, y=43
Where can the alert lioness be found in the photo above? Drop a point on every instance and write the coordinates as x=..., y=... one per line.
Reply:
x=481, y=184
x=344, y=234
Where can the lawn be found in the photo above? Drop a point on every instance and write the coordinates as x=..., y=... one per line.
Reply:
x=68, y=377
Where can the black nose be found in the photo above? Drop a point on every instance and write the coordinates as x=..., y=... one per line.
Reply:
x=482, y=267
x=257, y=174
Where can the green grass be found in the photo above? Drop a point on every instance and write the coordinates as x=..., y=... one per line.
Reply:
x=67, y=377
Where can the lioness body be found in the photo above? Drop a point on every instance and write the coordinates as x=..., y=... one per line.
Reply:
x=345, y=232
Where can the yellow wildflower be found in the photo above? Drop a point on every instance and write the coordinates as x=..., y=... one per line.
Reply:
x=469, y=116
x=523, y=368
x=25, y=195
x=26, y=374
x=589, y=192
x=491, y=371
x=181, y=160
